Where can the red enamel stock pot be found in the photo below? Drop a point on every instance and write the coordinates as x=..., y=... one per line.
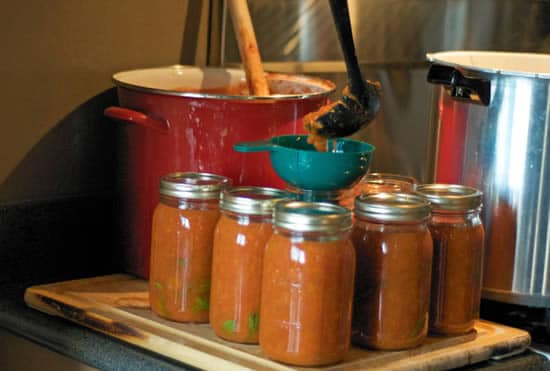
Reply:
x=181, y=118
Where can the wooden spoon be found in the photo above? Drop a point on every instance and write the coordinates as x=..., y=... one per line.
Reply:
x=248, y=47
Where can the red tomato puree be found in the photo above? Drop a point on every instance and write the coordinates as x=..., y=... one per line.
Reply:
x=392, y=286
x=181, y=255
x=306, y=300
x=236, y=278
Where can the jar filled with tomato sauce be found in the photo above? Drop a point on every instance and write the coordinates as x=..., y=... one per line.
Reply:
x=307, y=284
x=240, y=237
x=181, y=245
x=457, y=233
x=393, y=246
x=386, y=183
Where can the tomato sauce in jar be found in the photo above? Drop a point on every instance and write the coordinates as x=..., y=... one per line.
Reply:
x=457, y=233
x=392, y=284
x=240, y=237
x=307, y=284
x=181, y=245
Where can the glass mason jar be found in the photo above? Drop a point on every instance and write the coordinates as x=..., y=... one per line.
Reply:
x=386, y=183
x=181, y=245
x=240, y=237
x=457, y=233
x=392, y=282
x=307, y=284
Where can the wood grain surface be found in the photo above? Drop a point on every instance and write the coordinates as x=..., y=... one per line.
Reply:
x=248, y=47
x=118, y=305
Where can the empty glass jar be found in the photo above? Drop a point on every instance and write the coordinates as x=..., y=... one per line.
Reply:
x=386, y=182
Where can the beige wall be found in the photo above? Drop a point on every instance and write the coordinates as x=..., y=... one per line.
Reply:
x=57, y=54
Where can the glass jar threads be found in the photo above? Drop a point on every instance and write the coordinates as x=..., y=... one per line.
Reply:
x=342, y=197
x=181, y=245
x=457, y=233
x=242, y=231
x=307, y=284
x=386, y=183
x=392, y=283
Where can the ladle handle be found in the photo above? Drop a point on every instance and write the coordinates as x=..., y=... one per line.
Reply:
x=256, y=146
x=340, y=15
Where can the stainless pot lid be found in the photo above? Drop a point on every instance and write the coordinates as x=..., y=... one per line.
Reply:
x=505, y=63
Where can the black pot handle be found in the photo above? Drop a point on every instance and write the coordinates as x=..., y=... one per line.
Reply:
x=472, y=89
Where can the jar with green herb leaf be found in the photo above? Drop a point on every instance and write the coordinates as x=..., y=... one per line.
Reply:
x=241, y=234
x=181, y=245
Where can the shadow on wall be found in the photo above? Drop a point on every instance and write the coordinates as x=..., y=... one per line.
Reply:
x=58, y=208
x=75, y=159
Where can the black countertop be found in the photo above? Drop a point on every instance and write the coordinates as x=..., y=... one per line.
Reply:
x=74, y=341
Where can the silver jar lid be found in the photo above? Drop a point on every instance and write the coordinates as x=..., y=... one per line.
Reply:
x=302, y=216
x=252, y=200
x=451, y=197
x=392, y=207
x=201, y=186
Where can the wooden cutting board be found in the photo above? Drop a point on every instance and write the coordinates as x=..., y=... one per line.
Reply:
x=118, y=305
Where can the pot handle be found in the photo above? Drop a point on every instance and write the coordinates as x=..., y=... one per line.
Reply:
x=472, y=89
x=136, y=117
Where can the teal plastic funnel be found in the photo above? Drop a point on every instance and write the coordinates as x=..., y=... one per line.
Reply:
x=300, y=165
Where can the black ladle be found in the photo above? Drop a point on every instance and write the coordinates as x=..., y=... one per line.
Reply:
x=360, y=101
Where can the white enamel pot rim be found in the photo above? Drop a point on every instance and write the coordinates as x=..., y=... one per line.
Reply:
x=170, y=80
x=535, y=65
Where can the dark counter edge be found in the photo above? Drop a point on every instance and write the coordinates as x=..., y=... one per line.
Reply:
x=106, y=353
x=74, y=341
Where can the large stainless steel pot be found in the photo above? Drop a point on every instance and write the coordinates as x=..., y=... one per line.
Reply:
x=490, y=119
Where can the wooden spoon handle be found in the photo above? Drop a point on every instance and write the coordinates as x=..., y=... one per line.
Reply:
x=248, y=47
